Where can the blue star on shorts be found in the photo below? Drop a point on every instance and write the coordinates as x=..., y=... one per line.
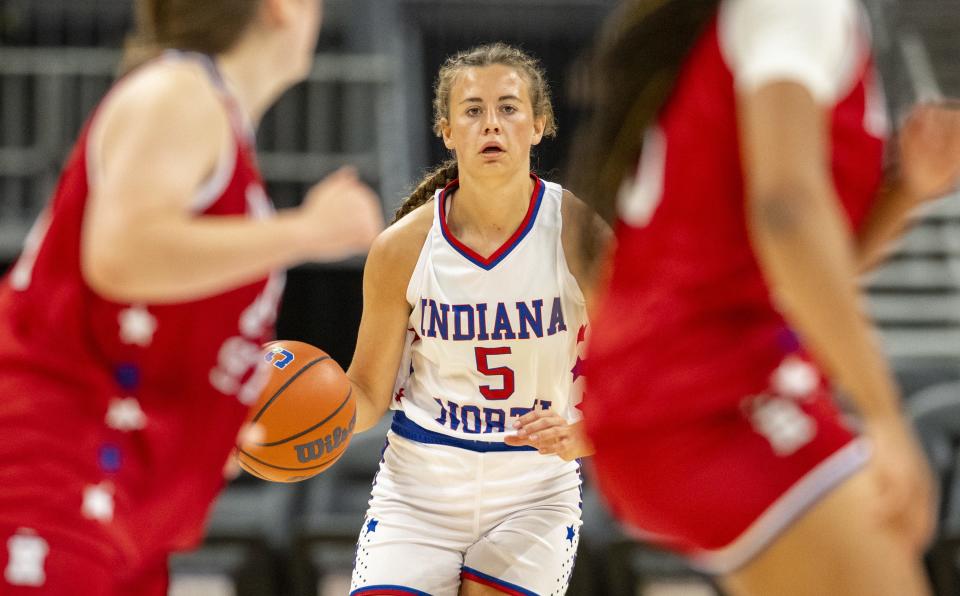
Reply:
x=372, y=525
x=570, y=534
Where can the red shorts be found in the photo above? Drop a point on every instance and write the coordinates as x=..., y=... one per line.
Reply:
x=32, y=564
x=719, y=488
x=152, y=579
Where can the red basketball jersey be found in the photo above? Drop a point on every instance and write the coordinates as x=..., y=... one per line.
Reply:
x=687, y=325
x=141, y=402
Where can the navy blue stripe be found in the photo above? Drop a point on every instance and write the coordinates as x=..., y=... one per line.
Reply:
x=388, y=589
x=408, y=429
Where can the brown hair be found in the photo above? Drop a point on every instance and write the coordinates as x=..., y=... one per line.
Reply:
x=207, y=26
x=634, y=66
x=486, y=55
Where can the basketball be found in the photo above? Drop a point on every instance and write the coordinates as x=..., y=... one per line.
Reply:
x=307, y=412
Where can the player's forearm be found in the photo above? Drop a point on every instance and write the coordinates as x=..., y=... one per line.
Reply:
x=804, y=250
x=887, y=220
x=369, y=410
x=181, y=259
x=583, y=447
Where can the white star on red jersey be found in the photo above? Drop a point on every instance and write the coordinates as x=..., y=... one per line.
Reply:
x=795, y=378
x=137, y=326
x=26, y=553
x=125, y=415
x=98, y=502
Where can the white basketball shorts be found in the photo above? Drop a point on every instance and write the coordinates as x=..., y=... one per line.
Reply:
x=445, y=509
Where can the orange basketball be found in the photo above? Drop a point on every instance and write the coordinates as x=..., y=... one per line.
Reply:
x=307, y=411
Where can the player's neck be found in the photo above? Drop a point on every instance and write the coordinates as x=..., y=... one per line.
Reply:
x=489, y=209
x=251, y=78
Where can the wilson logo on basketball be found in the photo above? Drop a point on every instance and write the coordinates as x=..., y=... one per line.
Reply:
x=314, y=450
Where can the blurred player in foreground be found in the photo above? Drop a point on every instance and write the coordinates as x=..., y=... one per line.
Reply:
x=130, y=327
x=738, y=145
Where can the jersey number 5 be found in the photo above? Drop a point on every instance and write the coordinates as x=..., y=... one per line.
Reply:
x=483, y=366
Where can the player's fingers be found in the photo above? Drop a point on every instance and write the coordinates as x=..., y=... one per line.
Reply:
x=251, y=434
x=530, y=417
x=556, y=446
x=231, y=468
x=541, y=424
x=516, y=441
x=340, y=174
x=547, y=436
x=337, y=184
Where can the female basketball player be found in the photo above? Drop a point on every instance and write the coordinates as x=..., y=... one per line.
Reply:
x=469, y=296
x=131, y=324
x=756, y=198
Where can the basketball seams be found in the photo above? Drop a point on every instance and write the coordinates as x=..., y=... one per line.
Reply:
x=322, y=464
x=292, y=378
x=250, y=469
x=315, y=396
x=345, y=401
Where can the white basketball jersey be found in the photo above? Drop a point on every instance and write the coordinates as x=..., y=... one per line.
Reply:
x=490, y=338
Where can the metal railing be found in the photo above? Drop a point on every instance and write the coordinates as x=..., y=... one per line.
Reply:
x=340, y=115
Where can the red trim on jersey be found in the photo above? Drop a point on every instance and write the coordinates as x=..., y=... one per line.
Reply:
x=506, y=247
x=387, y=591
x=498, y=585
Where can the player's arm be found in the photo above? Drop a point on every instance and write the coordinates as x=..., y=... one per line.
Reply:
x=928, y=166
x=383, y=325
x=581, y=224
x=803, y=242
x=154, y=144
x=807, y=254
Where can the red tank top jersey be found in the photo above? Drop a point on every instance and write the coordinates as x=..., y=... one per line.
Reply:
x=687, y=315
x=143, y=401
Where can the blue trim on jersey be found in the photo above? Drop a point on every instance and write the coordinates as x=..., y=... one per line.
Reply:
x=392, y=589
x=408, y=429
x=488, y=263
x=499, y=582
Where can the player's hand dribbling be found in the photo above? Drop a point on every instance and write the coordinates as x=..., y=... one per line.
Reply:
x=250, y=434
x=550, y=434
x=340, y=216
x=906, y=487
